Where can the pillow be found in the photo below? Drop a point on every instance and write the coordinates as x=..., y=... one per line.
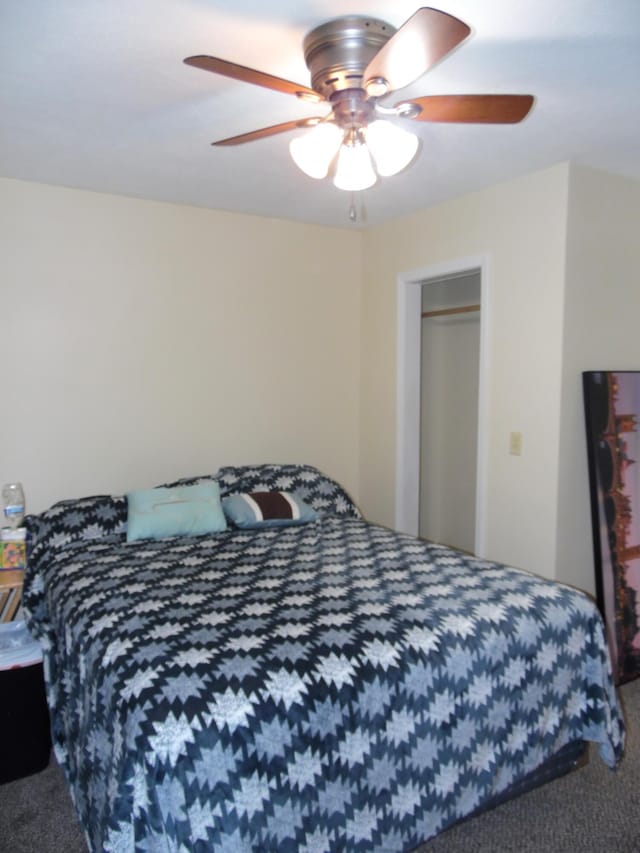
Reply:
x=75, y=519
x=180, y=511
x=188, y=481
x=320, y=492
x=267, y=509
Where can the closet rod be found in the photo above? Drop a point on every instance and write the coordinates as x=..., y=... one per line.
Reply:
x=441, y=312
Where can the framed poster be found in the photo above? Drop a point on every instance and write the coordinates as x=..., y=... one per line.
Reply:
x=612, y=413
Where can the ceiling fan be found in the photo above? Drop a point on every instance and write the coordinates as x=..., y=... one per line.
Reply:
x=355, y=62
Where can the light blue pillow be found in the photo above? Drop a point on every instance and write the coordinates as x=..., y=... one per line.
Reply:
x=179, y=511
x=267, y=509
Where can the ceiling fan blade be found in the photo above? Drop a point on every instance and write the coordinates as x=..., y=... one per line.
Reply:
x=427, y=37
x=250, y=75
x=473, y=109
x=269, y=131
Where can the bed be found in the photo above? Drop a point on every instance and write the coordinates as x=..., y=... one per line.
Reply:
x=314, y=684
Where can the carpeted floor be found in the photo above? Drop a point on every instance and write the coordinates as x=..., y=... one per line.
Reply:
x=592, y=810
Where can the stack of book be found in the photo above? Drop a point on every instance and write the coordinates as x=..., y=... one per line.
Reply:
x=13, y=560
x=13, y=552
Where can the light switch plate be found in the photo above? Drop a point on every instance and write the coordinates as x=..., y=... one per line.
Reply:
x=515, y=444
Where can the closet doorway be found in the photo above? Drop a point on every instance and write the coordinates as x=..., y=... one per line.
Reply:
x=409, y=289
x=449, y=396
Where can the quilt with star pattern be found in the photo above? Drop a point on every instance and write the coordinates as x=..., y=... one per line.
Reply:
x=330, y=686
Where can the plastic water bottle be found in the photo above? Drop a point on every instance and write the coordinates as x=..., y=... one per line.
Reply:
x=13, y=500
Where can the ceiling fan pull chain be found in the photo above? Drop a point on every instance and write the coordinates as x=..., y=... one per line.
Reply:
x=353, y=213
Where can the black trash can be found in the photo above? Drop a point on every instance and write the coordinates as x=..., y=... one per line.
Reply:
x=25, y=734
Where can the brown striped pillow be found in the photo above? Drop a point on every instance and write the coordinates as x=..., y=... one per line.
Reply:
x=267, y=509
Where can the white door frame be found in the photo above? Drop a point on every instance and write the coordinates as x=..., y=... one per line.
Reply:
x=409, y=331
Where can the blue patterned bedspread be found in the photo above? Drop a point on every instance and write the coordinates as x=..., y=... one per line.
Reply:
x=329, y=687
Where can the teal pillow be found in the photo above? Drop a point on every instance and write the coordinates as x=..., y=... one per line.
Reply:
x=178, y=511
x=267, y=509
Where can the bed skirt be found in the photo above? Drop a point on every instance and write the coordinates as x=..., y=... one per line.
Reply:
x=570, y=757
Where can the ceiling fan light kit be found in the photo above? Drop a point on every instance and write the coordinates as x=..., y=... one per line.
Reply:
x=315, y=151
x=355, y=61
x=393, y=147
x=354, y=169
x=355, y=156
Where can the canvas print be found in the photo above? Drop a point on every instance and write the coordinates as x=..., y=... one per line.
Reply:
x=612, y=409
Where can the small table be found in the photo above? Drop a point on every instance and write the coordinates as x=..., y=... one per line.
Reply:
x=10, y=592
x=25, y=745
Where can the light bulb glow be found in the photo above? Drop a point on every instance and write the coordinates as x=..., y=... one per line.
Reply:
x=392, y=147
x=354, y=170
x=314, y=151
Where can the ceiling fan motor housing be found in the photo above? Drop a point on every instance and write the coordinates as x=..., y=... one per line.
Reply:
x=338, y=52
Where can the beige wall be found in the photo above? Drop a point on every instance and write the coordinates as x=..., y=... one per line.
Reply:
x=520, y=227
x=601, y=317
x=144, y=341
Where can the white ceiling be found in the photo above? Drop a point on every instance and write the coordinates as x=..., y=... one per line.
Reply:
x=94, y=95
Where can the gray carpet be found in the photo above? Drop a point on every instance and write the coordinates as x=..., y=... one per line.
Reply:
x=592, y=810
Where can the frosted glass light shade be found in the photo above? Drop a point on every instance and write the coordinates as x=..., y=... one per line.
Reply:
x=392, y=147
x=314, y=151
x=354, y=170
